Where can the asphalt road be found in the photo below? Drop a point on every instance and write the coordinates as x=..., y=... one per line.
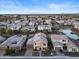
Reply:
x=55, y=57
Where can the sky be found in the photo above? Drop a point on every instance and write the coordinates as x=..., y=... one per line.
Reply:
x=38, y=6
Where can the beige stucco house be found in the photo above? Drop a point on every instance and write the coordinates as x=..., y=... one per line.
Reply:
x=76, y=25
x=39, y=42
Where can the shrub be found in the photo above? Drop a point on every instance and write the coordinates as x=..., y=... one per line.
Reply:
x=9, y=51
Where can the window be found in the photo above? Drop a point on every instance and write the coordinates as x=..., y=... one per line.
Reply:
x=73, y=50
x=39, y=48
x=64, y=47
x=35, y=43
x=35, y=48
x=64, y=40
x=44, y=44
x=44, y=48
x=64, y=44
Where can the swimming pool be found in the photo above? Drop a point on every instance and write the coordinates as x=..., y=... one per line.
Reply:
x=70, y=34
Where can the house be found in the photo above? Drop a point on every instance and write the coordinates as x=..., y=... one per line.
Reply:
x=45, y=27
x=30, y=28
x=69, y=22
x=39, y=42
x=48, y=21
x=40, y=19
x=32, y=23
x=14, y=26
x=15, y=42
x=32, y=18
x=60, y=22
x=23, y=17
x=60, y=40
x=2, y=39
x=17, y=21
x=76, y=25
x=24, y=22
x=72, y=47
x=3, y=25
x=65, y=22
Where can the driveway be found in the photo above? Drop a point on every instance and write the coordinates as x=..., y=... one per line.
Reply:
x=2, y=52
x=28, y=52
x=59, y=53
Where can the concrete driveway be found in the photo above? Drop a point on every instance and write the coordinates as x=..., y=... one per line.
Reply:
x=59, y=53
x=2, y=52
x=28, y=52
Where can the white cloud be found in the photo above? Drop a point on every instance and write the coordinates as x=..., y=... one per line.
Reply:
x=26, y=11
x=10, y=3
x=67, y=7
x=16, y=7
x=63, y=6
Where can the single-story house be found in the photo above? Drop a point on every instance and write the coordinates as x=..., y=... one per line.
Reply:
x=45, y=27
x=15, y=42
x=69, y=22
x=60, y=22
x=2, y=39
x=14, y=26
x=3, y=25
x=30, y=28
x=60, y=40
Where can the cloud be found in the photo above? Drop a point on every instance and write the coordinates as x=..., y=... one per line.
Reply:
x=26, y=11
x=67, y=7
x=10, y=3
x=17, y=7
x=63, y=6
